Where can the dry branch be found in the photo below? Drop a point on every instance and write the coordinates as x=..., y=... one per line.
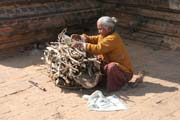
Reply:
x=71, y=67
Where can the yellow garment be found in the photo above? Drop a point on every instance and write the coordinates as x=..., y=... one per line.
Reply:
x=111, y=48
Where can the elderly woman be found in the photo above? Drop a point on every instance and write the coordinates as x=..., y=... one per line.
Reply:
x=111, y=49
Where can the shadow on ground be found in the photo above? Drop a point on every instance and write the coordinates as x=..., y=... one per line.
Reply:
x=161, y=64
x=141, y=90
x=21, y=59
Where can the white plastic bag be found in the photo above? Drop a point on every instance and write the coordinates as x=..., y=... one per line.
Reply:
x=98, y=102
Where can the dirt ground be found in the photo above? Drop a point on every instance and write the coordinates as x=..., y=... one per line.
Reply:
x=157, y=98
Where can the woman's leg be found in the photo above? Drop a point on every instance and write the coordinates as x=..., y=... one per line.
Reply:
x=115, y=77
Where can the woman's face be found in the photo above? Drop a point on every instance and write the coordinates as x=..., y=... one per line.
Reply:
x=101, y=30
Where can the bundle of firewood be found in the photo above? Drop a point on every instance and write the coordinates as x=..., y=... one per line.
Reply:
x=71, y=67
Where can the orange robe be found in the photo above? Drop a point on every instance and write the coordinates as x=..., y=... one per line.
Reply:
x=111, y=48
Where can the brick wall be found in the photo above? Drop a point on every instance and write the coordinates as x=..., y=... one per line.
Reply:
x=154, y=22
x=23, y=22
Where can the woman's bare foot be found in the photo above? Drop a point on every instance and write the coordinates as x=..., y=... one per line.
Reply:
x=138, y=80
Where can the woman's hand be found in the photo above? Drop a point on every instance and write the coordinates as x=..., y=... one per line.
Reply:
x=78, y=44
x=76, y=37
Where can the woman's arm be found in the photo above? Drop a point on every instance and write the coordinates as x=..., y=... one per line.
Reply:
x=107, y=45
x=90, y=39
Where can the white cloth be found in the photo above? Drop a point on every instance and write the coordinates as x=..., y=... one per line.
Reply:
x=98, y=102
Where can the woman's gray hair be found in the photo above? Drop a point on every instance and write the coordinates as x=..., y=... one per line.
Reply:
x=108, y=22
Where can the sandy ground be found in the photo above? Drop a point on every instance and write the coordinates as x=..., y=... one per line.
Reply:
x=155, y=99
